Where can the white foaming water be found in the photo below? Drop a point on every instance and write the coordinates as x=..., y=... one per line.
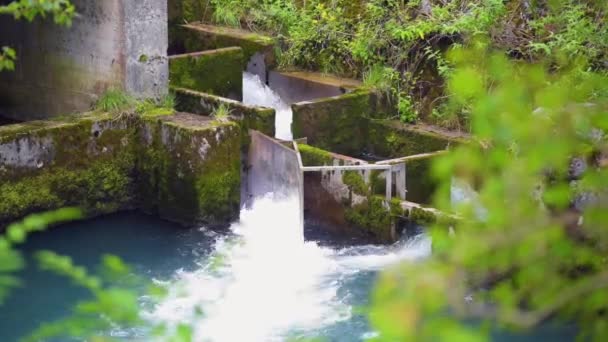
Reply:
x=258, y=94
x=265, y=280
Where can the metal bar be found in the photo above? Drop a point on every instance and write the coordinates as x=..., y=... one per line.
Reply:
x=297, y=149
x=410, y=158
x=389, y=184
x=400, y=181
x=346, y=168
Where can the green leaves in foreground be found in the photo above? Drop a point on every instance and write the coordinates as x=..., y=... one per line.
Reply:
x=11, y=260
x=540, y=252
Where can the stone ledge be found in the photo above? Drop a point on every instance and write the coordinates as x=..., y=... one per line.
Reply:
x=216, y=72
x=104, y=163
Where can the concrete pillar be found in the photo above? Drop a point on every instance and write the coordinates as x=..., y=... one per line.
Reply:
x=111, y=44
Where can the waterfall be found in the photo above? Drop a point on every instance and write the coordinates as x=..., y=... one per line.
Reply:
x=263, y=281
x=255, y=92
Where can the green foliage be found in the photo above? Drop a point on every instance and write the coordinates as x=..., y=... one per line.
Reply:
x=367, y=38
x=540, y=251
x=62, y=11
x=356, y=183
x=111, y=304
x=7, y=58
x=222, y=112
x=405, y=107
x=11, y=259
x=114, y=101
x=227, y=12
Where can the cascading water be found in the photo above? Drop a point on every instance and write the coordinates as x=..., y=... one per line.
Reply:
x=264, y=282
x=255, y=92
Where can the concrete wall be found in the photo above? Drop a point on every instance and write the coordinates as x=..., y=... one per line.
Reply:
x=258, y=50
x=216, y=72
x=336, y=123
x=183, y=167
x=257, y=118
x=111, y=43
x=295, y=87
x=273, y=168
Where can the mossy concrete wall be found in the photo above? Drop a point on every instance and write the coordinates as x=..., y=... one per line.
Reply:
x=336, y=123
x=257, y=118
x=86, y=161
x=349, y=124
x=343, y=201
x=216, y=72
x=189, y=168
x=111, y=44
x=184, y=167
x=298, y=86
x=258, y=50
x=393, y=139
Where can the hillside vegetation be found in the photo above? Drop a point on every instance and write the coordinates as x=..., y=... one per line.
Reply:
x=400, y=46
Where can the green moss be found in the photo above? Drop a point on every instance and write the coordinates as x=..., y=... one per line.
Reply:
x=422, y=216
x=392, y=139
x=200, y=185
x=355, y=183
x=206, y=37
x=421, y=186
x=91, y=168
x=257, y=118
x=377, y=183
x=215, y=72
x=337, y=124
x=312, y=156
x=183, y=167
x=373, y=217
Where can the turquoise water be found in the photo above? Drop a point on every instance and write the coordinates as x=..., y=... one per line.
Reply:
x=271, y=284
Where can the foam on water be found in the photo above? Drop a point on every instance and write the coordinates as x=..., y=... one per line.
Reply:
x=264, y=280
x=255, y=92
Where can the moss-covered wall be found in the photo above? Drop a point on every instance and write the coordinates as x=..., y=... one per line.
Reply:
x=198, y=37
x=258, y=118
x=189, y=169
x=184, y=11
x=184, y=167
x=393, y=139
x=86, y=161
x=216, y=72
x=342, y=200
x=337, y=124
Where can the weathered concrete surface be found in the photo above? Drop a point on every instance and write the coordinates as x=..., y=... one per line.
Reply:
x=146, y=39
x=195, y=37
x=184, y=167
x=181, y=12
x=344, y=201
x=273, y=168
x=393, y=139
x=298, y=86
x=336, y=123
x=189, y=169
x=113, y=43
x=257, y=118
x=84, y=161
x=421, y=215
x=216, y=72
